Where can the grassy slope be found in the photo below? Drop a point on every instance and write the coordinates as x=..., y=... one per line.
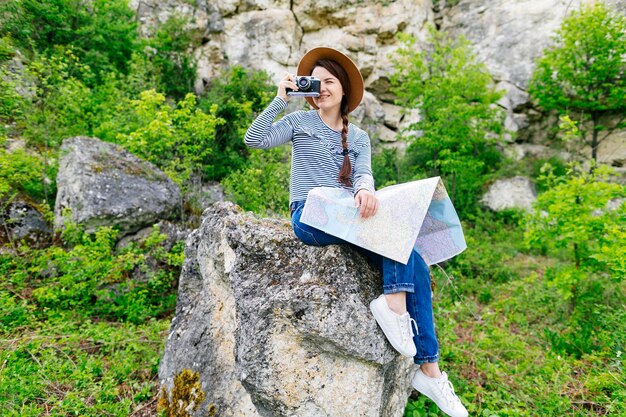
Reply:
x=79, y=367
x=493, y=315
x=495, y=327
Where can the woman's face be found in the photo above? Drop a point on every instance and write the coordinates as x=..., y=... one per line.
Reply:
x=331, y=91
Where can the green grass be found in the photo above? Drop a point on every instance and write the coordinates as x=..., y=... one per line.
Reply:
x=500, y=322
x=83, y=325
x=72, y=366
x=510, y=342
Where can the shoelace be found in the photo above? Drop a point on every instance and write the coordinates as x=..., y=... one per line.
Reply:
x=405, y=327
x=447, y=389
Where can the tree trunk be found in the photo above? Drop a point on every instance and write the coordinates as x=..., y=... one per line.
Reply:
x=594, y=136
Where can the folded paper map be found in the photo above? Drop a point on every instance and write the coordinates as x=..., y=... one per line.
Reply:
x=417, y=215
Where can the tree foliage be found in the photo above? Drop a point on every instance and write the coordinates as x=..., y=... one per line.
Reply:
x=102, y=33
x=178, y=139
x=262, y=185
x=584, y=73
x=240, y=94
x=575, y=216
x=459, y=124
x=169, y=56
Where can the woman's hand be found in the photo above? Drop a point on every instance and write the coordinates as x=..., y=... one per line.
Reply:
x=367, y=202
x=288, y=81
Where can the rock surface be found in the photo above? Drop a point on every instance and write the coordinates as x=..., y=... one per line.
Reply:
x=276, y=328
x=104, y=185
x=23, y=220
x=510, y=193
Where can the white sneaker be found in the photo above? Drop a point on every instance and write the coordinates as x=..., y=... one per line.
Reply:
x=441, y=391
x=397, y=328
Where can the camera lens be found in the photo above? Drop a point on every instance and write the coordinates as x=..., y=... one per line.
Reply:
x=304, y=83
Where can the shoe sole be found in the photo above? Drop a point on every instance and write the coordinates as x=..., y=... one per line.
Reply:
x=379, y=320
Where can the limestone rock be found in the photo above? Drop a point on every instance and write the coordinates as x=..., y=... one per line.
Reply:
x=612, y=150
x=23, y=220
x=105, y=185
x=508, y=35
x=510, y=193
x=14, y=72
x=271, y=35
x=277, y=328
x=263, y=40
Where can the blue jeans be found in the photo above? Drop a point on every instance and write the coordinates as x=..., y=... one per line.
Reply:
x=413, y=278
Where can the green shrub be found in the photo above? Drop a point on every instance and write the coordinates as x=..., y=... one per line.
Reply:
x=572, y=220
x=61, y=100
x=12, y=104
x=240, y=94
x=388, y=167
x=94, y=280
x=178, y=139
x=263, y=186
x=573, y=215
x=459, y=123
x=103, y=35
x=23, y=171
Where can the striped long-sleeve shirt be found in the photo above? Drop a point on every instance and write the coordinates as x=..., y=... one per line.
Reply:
x=316, y=149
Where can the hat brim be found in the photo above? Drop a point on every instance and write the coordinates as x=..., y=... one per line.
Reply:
x=307, y=64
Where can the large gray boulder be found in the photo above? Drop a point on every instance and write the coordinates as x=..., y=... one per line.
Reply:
x=105, y=185
x=277, y=328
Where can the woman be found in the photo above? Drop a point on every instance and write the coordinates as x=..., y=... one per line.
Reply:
x=328, y=151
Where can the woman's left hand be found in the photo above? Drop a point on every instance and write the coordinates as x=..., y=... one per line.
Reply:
x=367, y=202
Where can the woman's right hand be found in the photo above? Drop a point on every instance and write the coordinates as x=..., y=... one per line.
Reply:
x=288, y=81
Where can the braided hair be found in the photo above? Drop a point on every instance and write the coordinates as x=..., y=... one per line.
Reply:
x=337, y=70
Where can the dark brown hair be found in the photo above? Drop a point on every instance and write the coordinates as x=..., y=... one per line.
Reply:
x=337, y=70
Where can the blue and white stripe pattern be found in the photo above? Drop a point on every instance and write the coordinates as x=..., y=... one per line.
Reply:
x=316, y=151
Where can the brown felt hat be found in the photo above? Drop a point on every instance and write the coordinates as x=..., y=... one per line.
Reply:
x=307, y=64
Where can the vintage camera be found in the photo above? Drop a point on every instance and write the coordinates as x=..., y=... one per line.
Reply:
x=307, y=87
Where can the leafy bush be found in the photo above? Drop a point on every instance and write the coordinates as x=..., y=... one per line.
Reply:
x=93, y=280
x=240, y=94
x=178, y=139
x=573, y=220
x=583, y=73
x=12, y=104
x=263, y=186
x=459, y=123
x=573, y=215
x=103, y=34
x=388, y=167
x=61, y=100
x=21, y=171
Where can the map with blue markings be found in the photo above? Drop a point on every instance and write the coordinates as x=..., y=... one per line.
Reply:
x=418, y=215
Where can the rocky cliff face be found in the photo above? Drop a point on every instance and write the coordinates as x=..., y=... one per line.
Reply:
x=276, y=328
x=508, y=36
